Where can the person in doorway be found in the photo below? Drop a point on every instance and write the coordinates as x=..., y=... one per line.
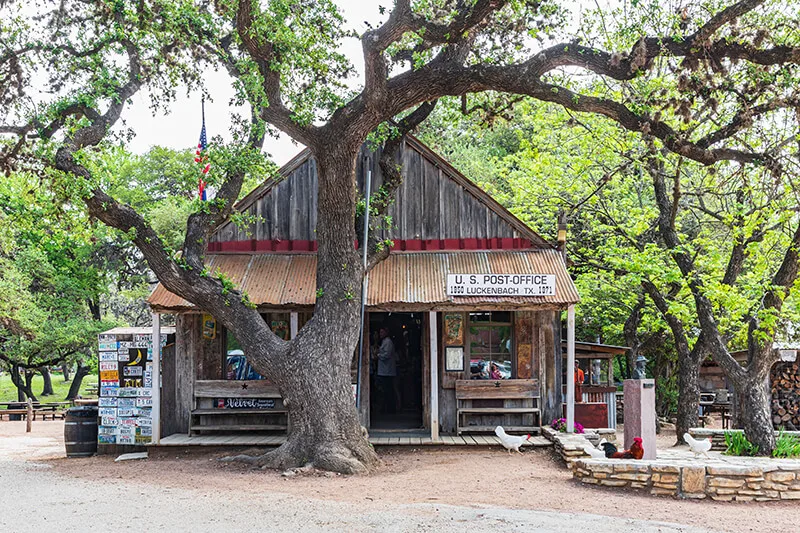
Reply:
x=579, y=378
x=387, y=371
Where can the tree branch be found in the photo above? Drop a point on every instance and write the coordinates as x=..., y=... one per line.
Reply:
x=264, y=54
x=392, y=179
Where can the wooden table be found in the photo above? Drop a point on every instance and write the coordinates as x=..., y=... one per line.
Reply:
x=86, y=401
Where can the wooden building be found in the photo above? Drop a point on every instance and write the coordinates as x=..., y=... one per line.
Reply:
x=471, y=297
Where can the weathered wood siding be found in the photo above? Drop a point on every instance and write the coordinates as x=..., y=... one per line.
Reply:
x=430, y=204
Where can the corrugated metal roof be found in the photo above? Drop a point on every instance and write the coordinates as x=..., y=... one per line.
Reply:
x=417, y=280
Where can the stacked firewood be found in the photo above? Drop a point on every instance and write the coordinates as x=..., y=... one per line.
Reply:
x=785, y=380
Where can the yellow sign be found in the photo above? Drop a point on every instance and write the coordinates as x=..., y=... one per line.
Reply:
x=209, y=327
x=109, y=375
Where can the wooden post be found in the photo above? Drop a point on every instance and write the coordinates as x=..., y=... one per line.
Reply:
x=434, y=349
x=156, y=379
x=571, y=369
x=29, y=417
x=293, y=325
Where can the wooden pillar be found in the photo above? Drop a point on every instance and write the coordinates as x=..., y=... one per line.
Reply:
x=187, y=337
x=293, y=325
x=156, y=379
x=571, y=369
x=434, y=349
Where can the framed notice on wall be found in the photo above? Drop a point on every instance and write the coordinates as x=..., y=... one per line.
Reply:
x=454, y=329
x=454, y=358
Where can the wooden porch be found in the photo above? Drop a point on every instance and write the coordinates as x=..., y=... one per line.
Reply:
x=276, y=440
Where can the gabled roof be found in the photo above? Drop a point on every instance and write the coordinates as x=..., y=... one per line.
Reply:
x=452, y=173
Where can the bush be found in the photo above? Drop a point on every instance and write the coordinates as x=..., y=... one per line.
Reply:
x=786, y=446
x=738, y=444
x=560, y=424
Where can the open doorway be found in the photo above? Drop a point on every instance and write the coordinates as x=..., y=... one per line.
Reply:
x=395, y=400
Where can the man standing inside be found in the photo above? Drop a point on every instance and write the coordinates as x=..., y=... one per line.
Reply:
x=387, y=371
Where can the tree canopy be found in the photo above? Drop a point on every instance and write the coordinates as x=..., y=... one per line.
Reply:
x=711, y=84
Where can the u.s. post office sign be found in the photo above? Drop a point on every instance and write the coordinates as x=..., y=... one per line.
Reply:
x=501, y=284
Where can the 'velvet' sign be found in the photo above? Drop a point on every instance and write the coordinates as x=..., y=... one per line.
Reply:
x=501, y=284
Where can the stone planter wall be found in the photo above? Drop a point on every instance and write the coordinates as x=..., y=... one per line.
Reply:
x=718, y=436
x=570, y=446
x=767, y=482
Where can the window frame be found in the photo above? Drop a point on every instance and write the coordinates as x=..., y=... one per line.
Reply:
x=492, y=323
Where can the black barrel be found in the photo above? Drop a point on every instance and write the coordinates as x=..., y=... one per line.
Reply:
x=18, y=405
x=80, y=431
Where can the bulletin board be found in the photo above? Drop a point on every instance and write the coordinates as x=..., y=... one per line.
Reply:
x=126, y=388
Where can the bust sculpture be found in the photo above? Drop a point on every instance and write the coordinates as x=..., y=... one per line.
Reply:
x=639, y=371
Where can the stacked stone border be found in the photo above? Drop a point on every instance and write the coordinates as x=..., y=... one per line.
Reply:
x=768, y=482
x=718, y=436
x=571, y=446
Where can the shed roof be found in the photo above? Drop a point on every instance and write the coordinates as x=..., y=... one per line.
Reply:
x=404, y=281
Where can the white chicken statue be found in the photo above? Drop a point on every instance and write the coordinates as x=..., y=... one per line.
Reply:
x=698, y=446
x=510, y=442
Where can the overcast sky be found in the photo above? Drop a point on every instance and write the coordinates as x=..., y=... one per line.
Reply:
x=181, y=128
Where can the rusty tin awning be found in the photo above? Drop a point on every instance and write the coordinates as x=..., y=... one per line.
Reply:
x=404, y=281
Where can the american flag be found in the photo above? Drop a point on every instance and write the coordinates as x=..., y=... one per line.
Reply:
x=200, y=156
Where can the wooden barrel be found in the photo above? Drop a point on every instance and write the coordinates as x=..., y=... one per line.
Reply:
x=80, y=431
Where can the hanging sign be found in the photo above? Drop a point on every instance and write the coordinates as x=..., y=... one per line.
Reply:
x=501, y=284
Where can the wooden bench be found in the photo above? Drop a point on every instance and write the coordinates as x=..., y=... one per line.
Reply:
x=208, y=417
x=45, y=412
x=516, y=404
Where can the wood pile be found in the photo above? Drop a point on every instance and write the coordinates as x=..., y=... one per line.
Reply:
x=785, y=380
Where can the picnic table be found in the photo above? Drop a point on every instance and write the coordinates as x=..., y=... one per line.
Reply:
x=47, y=409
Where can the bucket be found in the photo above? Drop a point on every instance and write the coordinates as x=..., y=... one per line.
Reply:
x=80, y=431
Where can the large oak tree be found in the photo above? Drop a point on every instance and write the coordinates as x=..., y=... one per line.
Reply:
x=282, y=56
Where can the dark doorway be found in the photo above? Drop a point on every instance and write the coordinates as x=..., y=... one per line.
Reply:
x=396, y=401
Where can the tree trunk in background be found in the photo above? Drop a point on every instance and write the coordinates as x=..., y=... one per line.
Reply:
x=688, y=392
x=80, y=373
x=21, y=379
x=47, y=388
x=630, y=331
x=756, y=416
x=65, y=371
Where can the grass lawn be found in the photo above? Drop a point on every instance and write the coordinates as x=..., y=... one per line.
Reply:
x=8, y=392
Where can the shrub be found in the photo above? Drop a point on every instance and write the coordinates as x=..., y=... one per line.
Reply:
x=738, y=444
x=560, y=424
x=786, y=446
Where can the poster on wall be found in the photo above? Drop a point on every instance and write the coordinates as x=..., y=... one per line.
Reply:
x=454, y=358
x=280, y=328
x=454, y=329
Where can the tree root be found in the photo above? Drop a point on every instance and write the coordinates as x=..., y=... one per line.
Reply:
x=334, y=457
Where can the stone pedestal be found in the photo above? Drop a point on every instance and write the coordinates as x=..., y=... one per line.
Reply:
x=640, y=414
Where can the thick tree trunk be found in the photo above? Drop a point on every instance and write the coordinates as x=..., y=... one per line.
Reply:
x=756, y=416
x=23, y=392
x=47, y=388
x=75, y=387
x=65, y=371
x=688, y=393
x=314, y=377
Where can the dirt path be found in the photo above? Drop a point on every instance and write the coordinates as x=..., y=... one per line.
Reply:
x=430, y=489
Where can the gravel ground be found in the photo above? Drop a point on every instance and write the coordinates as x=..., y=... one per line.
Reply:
x=415, y=490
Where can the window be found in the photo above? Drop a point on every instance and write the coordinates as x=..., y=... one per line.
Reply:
x=236, y=365
x=491, y=345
